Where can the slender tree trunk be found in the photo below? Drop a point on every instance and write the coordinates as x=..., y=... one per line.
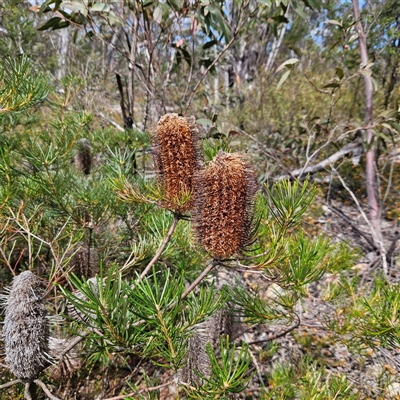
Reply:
x=276, y=45
x=371, y=153
x=275, y=48
x=63, y=45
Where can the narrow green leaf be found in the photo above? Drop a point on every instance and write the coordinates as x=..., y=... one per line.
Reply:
x=332, y=85
x=157, y=15
x=339, y=72
x=50, y=23
x=300, y=12
x=333, y=22
x=204, y=122
x=102, y=7
x=283, y=79
x=288, y=63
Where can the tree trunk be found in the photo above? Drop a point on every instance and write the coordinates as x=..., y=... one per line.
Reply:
x=371, y=153
x=63, y=45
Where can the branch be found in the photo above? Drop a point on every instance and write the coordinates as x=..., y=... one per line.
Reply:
x=127, y=118
x=353, y=147
x=110, y=121
x=280, y=334
x=208, y=70
x=370, y=159
x=223, y=51
x=375, y=235
x=73, y=343
x=263, y=148
x=6, y=385
x=27, y=392
x=371, y=244
x=151, y=389
x=200, y=278
x=45, y=389
x=161, y=248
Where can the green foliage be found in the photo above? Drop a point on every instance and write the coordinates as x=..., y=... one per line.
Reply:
x=145, y=317
x=371, y=319
x=307, y=381
x=228, y=375
x=291, y=201
x=91, y=235
x=20, y=87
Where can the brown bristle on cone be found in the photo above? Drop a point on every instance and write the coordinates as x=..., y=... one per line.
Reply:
x=25, y=328
x=176, y=159
x=225, y=191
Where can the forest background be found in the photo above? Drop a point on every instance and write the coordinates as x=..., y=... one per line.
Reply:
x=307, y=90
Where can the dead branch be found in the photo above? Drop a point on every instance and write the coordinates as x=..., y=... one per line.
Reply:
x=45, y=389
x=371, y=245
x=8, y=384
x=150, y=389
x=353, y=147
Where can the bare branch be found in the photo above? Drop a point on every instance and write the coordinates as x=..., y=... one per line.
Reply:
x=210, y=267
x=353, y=147
x=279, y=334
x=110, y=121
x=8, y=384
x=377, y=239
x=150, y=389
x=161, y=248
x=45, y=389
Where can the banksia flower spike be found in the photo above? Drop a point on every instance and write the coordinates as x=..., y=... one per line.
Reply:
x=225, y=191
x=25, y=328
x=83, y=157
x=176, y=159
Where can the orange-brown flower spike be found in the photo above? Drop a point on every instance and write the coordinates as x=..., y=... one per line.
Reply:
x=176, y=159
x=225, y=191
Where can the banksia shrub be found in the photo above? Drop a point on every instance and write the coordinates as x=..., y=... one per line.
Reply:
x=25, y=329
x=223, y=215
x=176, y=159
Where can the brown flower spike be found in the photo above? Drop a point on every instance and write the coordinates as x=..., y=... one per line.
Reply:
x=25, y=328
x=176, y=158
x=225, y=191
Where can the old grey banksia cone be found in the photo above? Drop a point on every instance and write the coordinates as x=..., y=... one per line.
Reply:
x=25, y=328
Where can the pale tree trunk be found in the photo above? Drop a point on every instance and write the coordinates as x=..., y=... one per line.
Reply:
x=216, y=82
x=371, y=179
x=63, y=45
x=276, y=45
x=109, y=60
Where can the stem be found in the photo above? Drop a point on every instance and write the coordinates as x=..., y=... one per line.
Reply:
x=279, y=334
x=377, y=239
x=200, y=278
x=150, y=389
x=73, y=343
x=161, y=248
x=208, y=69
x=30, y=391
x=165, y=332
x=45, y=389
x=6, y=385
